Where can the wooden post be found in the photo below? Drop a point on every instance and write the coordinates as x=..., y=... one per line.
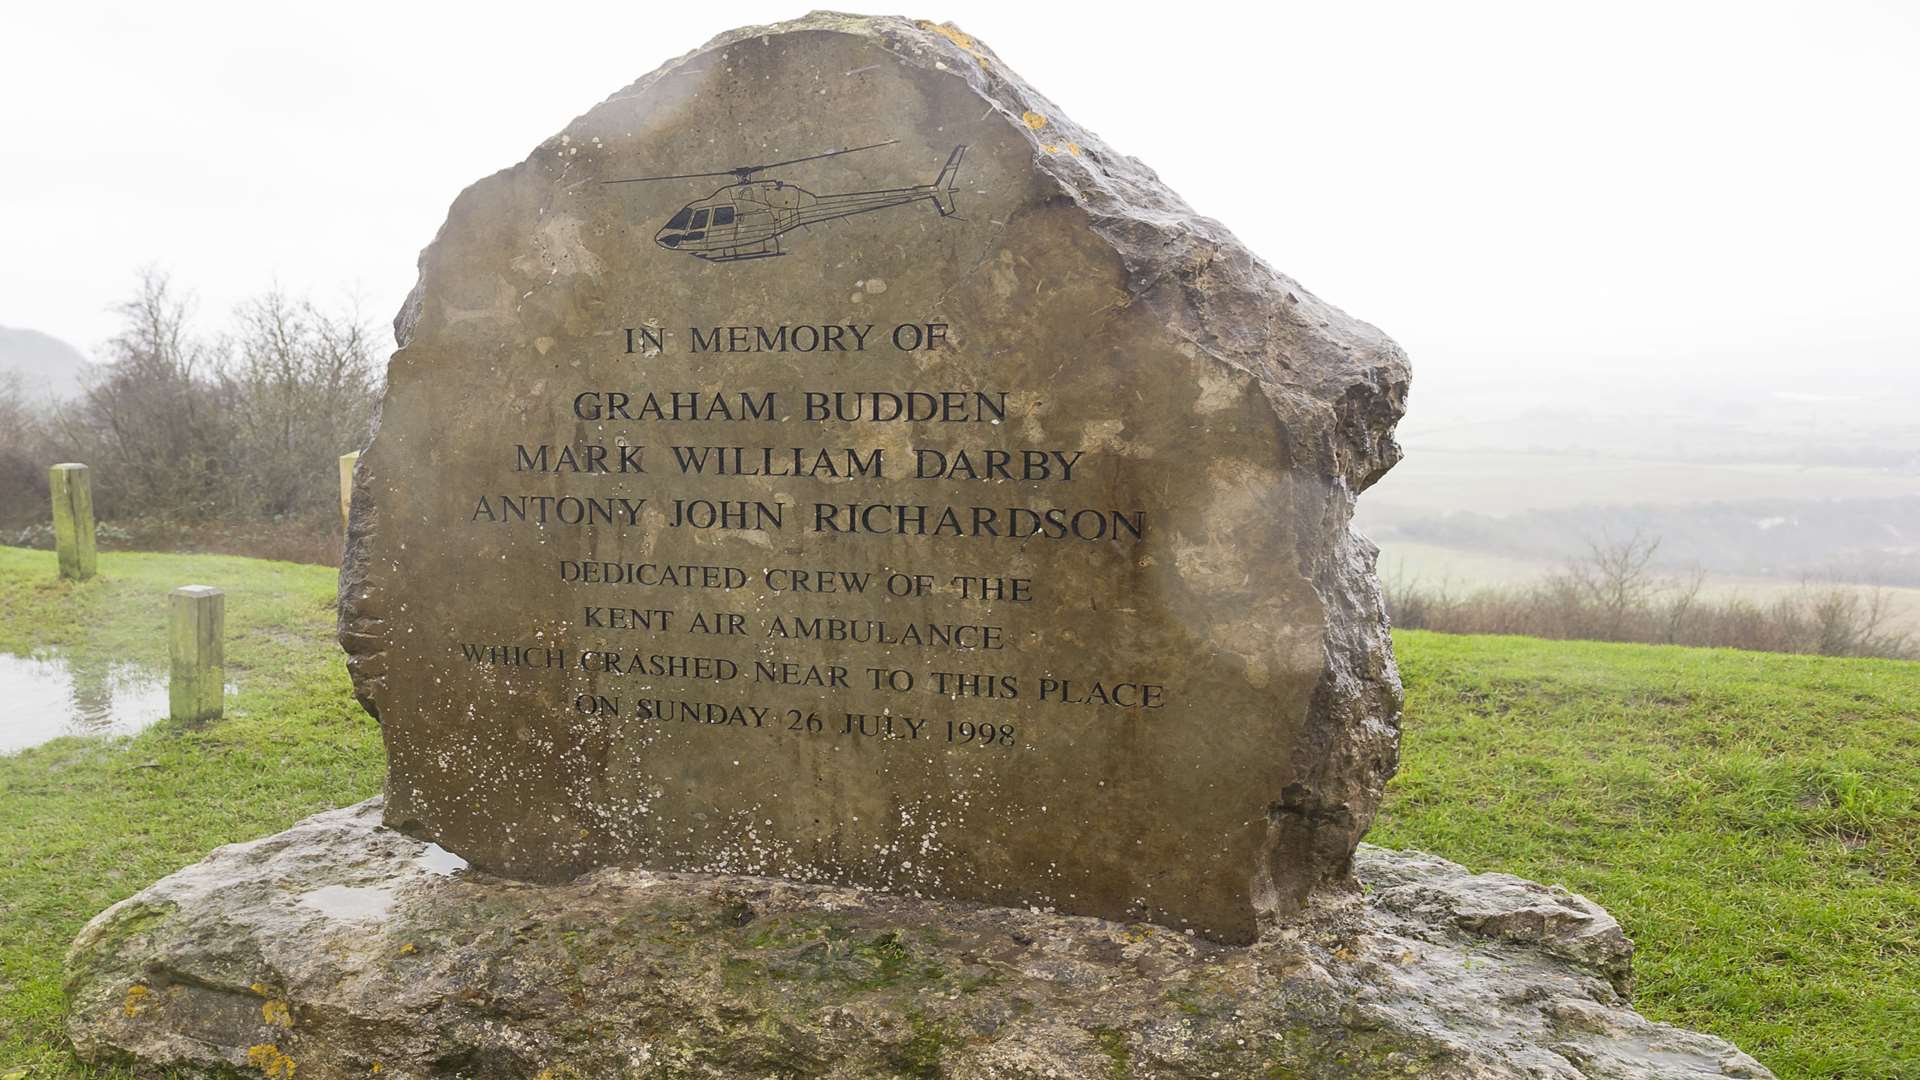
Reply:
x=73, y=521
x=347, y=462
x=197, y=688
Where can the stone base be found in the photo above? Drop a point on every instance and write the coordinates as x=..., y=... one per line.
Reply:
x=342, y=949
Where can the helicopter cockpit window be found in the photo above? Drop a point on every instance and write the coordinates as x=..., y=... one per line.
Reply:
x=680, y=219
x=699, y=219
x=723, y=215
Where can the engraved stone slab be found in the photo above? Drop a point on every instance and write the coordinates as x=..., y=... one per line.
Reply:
x=823, y=459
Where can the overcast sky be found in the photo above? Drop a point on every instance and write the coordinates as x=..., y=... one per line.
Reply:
x=1529, y=186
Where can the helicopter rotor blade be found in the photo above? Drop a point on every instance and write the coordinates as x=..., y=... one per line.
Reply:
x=680, y=176
x=746, y=170
x=817, y=157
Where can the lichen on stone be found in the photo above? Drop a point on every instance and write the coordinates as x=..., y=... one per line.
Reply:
x=715, y=976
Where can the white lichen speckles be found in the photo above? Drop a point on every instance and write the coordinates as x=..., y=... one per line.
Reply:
x=1080, y=309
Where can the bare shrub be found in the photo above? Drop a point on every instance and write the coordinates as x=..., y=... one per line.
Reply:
x=304, y=385
x=1612, y=595
x=190, y=434
x=1609, y=588
x=154, y=421
x=23, y=475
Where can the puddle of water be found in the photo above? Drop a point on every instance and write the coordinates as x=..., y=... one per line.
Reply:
x=48, y=693
x=439, y=861
x=346, y=903
x=45, y=695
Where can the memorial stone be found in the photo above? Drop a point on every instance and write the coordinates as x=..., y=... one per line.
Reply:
x=823, y=494
x=823, y=459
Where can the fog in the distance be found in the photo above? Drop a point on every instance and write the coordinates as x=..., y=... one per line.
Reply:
x=1644, y=256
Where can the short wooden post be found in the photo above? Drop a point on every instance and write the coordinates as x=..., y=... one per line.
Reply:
x=197, y=688
x=347, y=462
x=73, y=521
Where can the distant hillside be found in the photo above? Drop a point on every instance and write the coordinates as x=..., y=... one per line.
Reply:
x=1860, y=410
x=1875, y=541
x=47, y=366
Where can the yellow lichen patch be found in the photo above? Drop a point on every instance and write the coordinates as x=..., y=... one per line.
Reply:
x=951, y=33
x=376, y=1067
x=260, y=988
x=1049, y=148
x=1034, y=120
x=1073, y=149
x=277, y=1013
x=136, y=999
x=270, y=1061
x=958, y=37
x=409, y=949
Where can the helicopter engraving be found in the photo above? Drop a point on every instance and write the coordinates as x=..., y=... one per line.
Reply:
x=747, y=218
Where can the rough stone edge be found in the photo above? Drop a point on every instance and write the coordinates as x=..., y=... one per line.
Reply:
x=1197, y=277
x=1541, y=995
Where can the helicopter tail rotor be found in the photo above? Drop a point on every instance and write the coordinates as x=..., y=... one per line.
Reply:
x=943, y=185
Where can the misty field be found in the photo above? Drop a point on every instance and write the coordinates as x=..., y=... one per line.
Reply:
x=1753, y=819
x=1506, y=481
x=1458, y=520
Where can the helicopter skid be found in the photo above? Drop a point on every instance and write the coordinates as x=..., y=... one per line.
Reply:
x=720, y=256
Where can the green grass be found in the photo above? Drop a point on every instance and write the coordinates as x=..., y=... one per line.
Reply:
x=1753, y=819
x=85, y=823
